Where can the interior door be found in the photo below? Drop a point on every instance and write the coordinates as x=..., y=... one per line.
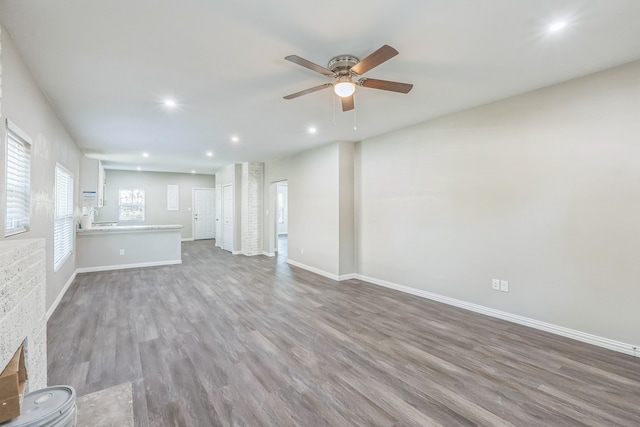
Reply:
x=219, y=216
x=204, y=218
x=227, y=218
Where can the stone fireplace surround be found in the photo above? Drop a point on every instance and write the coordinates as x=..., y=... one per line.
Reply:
x=23, y=316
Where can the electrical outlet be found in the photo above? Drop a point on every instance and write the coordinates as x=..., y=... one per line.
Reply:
x=121, y=251
x=495, y=284
x=504, y=285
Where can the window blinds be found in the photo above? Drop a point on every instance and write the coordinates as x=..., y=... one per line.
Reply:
x=18, y=172
x=63, y=226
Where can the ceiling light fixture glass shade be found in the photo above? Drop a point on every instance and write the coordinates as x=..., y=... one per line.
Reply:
x=344, y=89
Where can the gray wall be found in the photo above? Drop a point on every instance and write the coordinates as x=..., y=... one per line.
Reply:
x=346, y=208
x=542, y=190
x=101, y=250
x=25, y=105
x=313, y=193
x=155, y=186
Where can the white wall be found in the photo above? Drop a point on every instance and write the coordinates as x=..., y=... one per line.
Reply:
x=229, y=175
x=155, y=186
x=542, y=190
x=25, y=105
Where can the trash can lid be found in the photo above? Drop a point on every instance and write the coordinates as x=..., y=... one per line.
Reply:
x=42, y=406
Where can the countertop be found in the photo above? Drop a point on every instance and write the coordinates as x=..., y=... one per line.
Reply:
x=127, y=228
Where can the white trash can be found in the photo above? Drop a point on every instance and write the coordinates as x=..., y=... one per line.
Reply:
x=47, y=407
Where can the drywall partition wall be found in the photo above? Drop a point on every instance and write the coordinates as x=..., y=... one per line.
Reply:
x=313, y=178
x=224, y=176
x=541, y=190
x=346, y=213
x=114, y=250
x=230, y=175
x=25, y=105
x=155, y=186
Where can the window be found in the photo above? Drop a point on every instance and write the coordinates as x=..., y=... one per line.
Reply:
x=17, y=180
x=63, y=226
x=131, y=204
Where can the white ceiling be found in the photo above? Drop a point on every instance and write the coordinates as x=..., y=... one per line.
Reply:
x=106, y=66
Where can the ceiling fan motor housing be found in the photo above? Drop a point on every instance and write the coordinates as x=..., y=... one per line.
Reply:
x=342, y=64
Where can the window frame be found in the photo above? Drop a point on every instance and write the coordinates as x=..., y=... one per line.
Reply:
x=63, y=221
x=17, y=141
x=121, y=205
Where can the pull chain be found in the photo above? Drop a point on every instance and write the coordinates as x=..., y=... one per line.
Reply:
x=355, y=117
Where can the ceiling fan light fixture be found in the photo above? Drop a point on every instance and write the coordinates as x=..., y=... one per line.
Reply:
x=344, y=89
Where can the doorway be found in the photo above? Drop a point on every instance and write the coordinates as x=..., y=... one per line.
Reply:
x=282, y=220
x=204, y=200
x=227, y=217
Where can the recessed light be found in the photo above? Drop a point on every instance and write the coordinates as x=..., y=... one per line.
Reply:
x=139, y=168
x=145, y=154
x=312, y=130
x=235, y=138
x=193, y=171
x=210, y=153
x=171, y=103
x=557, y=26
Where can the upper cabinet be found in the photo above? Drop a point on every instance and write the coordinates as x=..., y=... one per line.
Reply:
x=91, y=182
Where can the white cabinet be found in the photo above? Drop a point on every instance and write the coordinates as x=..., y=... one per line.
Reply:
x=91, y=182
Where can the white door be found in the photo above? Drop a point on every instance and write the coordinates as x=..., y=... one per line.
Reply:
x=204, y=217
x=219, y=216
x=227, y=218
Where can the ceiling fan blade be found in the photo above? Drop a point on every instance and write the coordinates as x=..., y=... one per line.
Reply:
x=381, y=55
x=310, y=65
x=347, y=103
x=306, y=91
x=386, y=85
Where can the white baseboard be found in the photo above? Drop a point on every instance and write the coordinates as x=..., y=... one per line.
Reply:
x=254, y=254
x=269, y=254
x=314, y=270
x=337, y=278
x=236, y=252
x=187, y=239
x=127, y=266
x=64, y=290
x=633, y=350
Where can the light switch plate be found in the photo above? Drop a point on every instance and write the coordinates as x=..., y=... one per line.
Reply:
x=504, y=285
x=495, y=284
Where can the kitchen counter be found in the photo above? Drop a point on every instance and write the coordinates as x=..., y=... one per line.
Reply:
x=127, y=228
x=114, y=247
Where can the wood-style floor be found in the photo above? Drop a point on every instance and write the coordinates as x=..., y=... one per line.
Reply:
x=250, y=341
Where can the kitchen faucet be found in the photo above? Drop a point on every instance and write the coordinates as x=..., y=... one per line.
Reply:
x=92, y=214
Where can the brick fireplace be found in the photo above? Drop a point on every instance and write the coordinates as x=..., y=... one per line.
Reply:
x=23, y=318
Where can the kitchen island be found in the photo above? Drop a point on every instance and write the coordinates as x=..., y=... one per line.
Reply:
x=114, y=247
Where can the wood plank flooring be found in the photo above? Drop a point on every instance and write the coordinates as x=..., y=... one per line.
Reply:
x=225, y=340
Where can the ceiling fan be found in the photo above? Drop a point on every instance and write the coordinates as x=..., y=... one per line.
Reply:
x=344, y=69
